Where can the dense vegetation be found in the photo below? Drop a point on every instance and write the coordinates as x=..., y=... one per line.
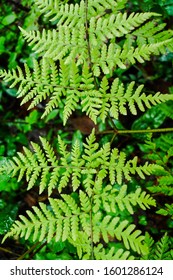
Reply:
x=133, y=167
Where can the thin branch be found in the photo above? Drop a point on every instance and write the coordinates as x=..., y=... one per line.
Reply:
x=28, y=251
x=91, y=227
x=137, y=131
x=8, y=251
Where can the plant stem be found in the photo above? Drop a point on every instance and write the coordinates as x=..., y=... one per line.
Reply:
x=140, y=131
x=28, y=251
x=88, y=43
x=7, y=251
x=91, y=226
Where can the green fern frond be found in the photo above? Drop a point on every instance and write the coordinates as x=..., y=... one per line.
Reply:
x=45, y=224
x=167, y=190
x=162, y=249
x=66, y=13
x=65, y=220
x=75, y=72
x=166, y=180
x=51, y=171
x=166, y=109
x=121, y=98
x=112, y=200
x=140, y=198
x=109, y=57
x=168, y=210
x=131, y=238
x=57, y=45
x=101, y=254
x=68, y=89
x=118, y=167
x=69, y=44
x=90, y=97
x=149, y=241
x=116, y=25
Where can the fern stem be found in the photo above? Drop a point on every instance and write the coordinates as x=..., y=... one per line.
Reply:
x=7, y=251
x=91, y=226
x=88, y=43
x=28, y=251
x=126, y=131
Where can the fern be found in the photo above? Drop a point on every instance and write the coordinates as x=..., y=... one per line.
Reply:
x=67, y=221
x=91, y=182
x=76, y=89
x=167, y=211
x=88, y=169
x=67, y=45
x=160, y=250
x=76, y=164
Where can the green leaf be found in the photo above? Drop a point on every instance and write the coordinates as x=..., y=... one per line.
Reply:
x=7, y=20
x=7, y=217
x=12, y=92
x=33, y=117
x=52, y=115
x=2, y=44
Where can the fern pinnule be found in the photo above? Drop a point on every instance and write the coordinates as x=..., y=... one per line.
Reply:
x=77, y=163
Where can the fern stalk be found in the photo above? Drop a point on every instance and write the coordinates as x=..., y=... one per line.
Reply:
x=140, y=131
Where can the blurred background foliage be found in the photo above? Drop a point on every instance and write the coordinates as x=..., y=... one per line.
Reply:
x=18, y=126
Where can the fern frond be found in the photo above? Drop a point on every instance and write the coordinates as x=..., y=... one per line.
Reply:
x=66, y=88
x=132, y=239
x=118, y=167
x=75, y=72
x=167, y=190
x=83, y=245
x=111, y=199
x=45, y=224
x=149, y=241
x=125, y=200
x=116, y=25
x=162, y=249
x=59, y=44
x=69, y=44
x=111, y=226
x=168, y=210
x=69, y=12
x=64, y=220
x=77, y=163
x=101, y=254
x=121, y=98
x=152, y=32
x=44, y=166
